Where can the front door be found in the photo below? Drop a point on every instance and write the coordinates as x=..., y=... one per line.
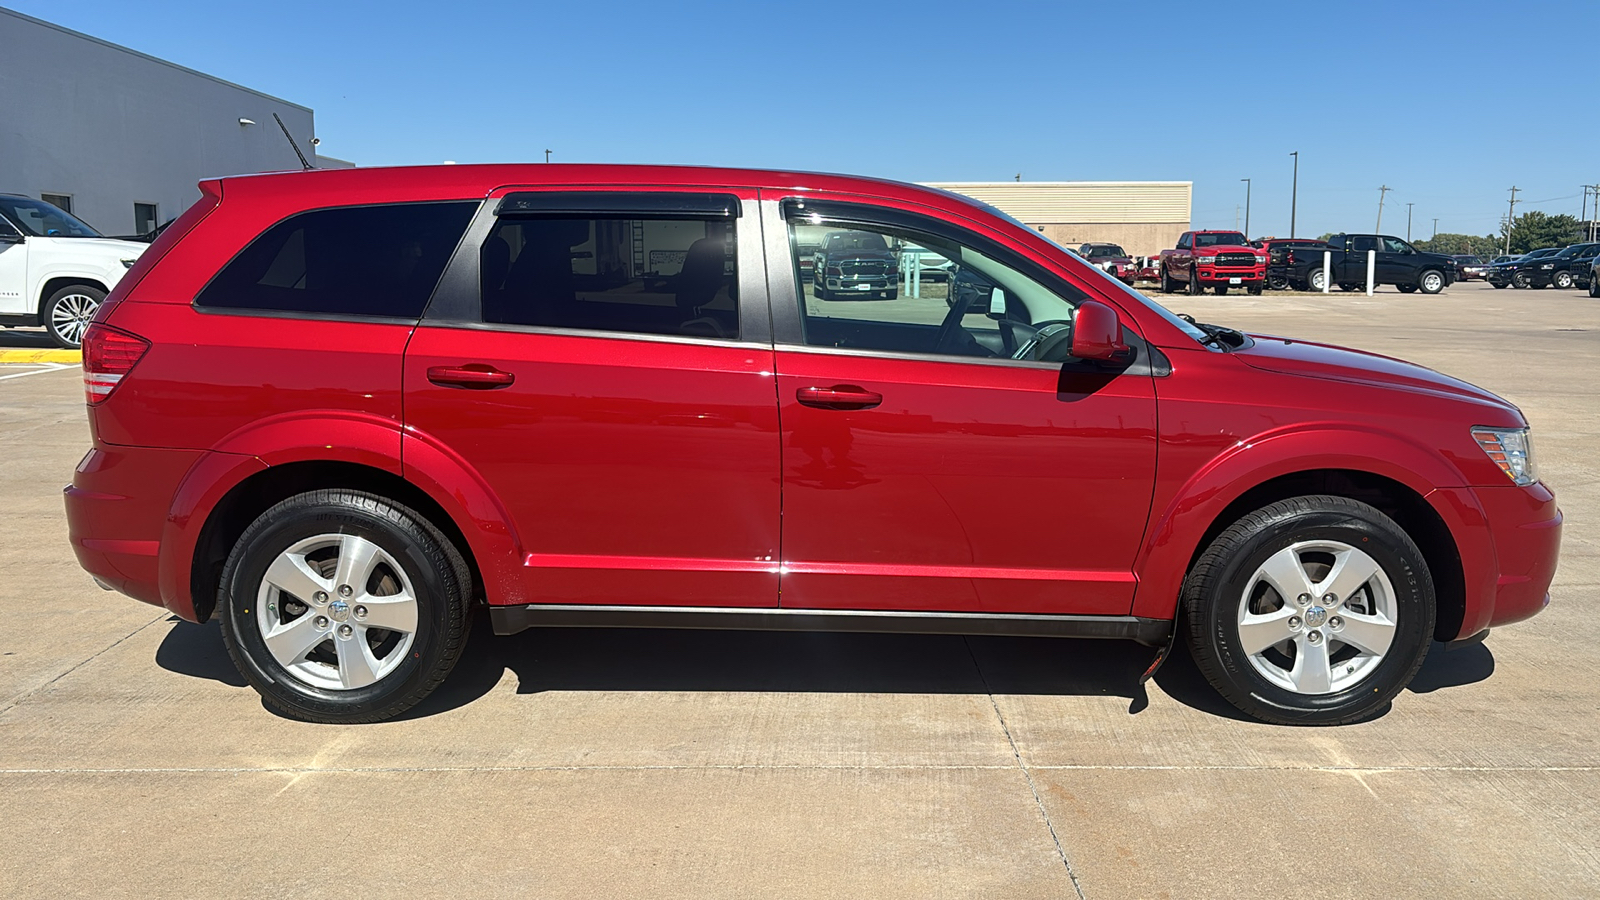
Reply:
x=926, y=469
x=603, y=363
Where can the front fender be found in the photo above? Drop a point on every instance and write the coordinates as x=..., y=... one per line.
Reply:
x=1179, y=523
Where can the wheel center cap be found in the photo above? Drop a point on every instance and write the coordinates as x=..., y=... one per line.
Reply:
x=338, y=610
x=1316, y=616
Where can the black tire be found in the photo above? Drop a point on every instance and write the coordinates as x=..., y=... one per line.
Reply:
x=1594, y=286
x=1166, y=281
x=1520, y=280
x=1351, y=286
x=892, y=295
x=1195, y=289
x=1214, y=591
x=441, y=582
x=1561, y=281
x=1406, y=288
x=1498, y=285
x=1222, y=290
x=1255, y=290
x=1315, y=280
x=67, y=312
x=1276, y=283
x=1430, y=281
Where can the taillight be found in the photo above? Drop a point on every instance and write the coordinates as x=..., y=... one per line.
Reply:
x=108, y=355
x=1290, y=259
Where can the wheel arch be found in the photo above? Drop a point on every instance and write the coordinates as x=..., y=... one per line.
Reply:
x=56, y=282
x=1394, y=476
x=257, y=492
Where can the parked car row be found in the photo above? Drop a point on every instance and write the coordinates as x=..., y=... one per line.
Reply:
x=1558, y=267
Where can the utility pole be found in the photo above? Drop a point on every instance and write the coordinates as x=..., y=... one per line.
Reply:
x=1408, y=221
x=1236, y=218
x=1246, y=208
x=1594, y=213
x=1435, y=227
x=1381, y=191
x=547, y=156
x=1294, y=191
x=1511, y=218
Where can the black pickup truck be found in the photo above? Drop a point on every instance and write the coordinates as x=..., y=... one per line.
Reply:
x=1397, y=263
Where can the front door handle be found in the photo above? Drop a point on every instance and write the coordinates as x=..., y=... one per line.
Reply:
x=840, y=396
x=475, y=376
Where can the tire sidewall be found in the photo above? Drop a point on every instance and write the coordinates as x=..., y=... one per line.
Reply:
x=269, y=537
x=47, y=314
x=1423, y=281
x=1407, y=573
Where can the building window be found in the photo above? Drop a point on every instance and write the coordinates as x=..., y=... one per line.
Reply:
x=145, y=218
x=62, y=202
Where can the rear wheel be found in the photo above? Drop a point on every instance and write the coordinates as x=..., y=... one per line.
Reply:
x=1350, y=286
x=1317, y=280
x=68, y=312
x=1406, y=288
x=339, y=606
x=1498, y=285
x=1594, y=286
x=1311, y=611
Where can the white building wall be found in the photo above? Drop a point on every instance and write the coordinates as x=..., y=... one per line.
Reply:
x=112, y=127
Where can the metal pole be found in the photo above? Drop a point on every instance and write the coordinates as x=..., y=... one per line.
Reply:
x=1381, y=192
x=1246, y=208
x=1511, y=218
x=1294, y=191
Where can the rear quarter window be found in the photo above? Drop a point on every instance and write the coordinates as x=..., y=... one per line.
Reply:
x=379, y=261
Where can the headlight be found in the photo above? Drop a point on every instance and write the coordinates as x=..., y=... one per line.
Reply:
x=1205, y=260
x=1511, y=450
x=1547, y=266
x=1261, y=260
x=128, y=263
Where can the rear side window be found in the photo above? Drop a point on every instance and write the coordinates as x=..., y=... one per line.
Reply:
x=353, y=261
x=672, y=276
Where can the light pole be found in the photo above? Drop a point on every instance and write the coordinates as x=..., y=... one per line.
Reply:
x=1246, y=208
x=1294, y=191
x=1408, y=222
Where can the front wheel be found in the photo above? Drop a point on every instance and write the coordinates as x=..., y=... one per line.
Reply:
x=1431, y=282
x=1521, y=280
x=1498, y=285
x=1195, y=289
x=1594, y=286
x=1562, y=280
x=69, y=311
x=1255, y=290
x=1222, y=290
x=343, y=607
x=1311, y=611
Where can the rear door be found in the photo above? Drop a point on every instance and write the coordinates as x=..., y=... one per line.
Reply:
x=926, y=469
x=603, y=362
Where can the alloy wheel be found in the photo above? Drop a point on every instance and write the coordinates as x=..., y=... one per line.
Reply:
x=1317, y=617
x=337, y=611
x=70, y=316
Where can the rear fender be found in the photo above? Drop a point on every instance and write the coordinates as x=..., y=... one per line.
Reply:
x=1178, y=527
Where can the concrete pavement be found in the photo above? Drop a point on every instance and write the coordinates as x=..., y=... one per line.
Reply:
x=133, y=761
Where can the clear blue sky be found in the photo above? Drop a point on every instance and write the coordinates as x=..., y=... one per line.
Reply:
x=1448, y=103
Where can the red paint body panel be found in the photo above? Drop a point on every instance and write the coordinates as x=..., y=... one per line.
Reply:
x=686, y=473
x=632, y=471
x=971, y=487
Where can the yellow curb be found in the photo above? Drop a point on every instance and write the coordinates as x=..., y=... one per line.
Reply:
x=40, y=356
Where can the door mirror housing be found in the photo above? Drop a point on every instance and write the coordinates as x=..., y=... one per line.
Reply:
x=997, y=304
x=1097, y=333
x=8, y=236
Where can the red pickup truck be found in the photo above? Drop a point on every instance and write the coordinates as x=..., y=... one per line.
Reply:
x=1219, y=259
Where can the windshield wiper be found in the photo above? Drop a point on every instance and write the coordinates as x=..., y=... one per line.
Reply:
x=1223, y=338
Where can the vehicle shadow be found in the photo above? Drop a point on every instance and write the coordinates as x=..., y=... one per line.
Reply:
x=642, y=660
x=25, y=339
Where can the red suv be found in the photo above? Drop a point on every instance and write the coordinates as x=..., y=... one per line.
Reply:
x=343, y=409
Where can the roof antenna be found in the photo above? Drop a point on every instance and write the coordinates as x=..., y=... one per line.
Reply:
x=303, y=164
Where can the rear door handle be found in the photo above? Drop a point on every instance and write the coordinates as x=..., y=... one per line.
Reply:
x=840, y=396
x=474, y=376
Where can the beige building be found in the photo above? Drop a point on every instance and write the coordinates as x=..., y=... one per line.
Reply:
x=1145, y=217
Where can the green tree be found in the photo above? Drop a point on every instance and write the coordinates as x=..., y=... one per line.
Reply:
x=1534, y=230
x=1489, y=246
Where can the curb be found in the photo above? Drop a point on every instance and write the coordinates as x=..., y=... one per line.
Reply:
x=40, y=356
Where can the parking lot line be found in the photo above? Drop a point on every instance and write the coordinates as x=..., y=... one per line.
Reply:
x=39, y=370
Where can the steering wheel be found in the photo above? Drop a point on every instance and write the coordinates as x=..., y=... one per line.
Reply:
x=1043, y=330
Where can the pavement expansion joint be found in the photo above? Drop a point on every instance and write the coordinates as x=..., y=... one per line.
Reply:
x=1023, y=766
x=91, y=658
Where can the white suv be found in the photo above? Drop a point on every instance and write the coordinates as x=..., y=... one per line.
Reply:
x=54, y=269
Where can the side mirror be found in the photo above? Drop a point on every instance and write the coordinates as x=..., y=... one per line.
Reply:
x=1097, y=333
x=11, y=237
x=997, y=304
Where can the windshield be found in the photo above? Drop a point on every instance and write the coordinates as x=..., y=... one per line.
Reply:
x=40, y=219
x=856, y=240
x=1219, y=238
x=1104, y=250
x=1572, y=251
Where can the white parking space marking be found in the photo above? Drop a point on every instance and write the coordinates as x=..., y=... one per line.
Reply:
x=39, y=369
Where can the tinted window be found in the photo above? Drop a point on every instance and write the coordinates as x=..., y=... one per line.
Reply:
x=1220, y=239
x=648, y=276
x=1395, y=245
x=43, y=219
x=362, y=261
x=1361, y=243
x=972, y=305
